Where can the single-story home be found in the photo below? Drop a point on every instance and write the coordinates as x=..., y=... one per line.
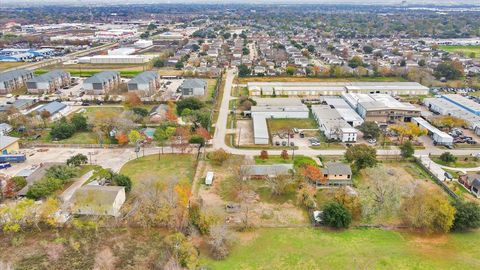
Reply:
x=264, y=171
x=9, y=145
x=471, y=182
x=98, y=200
x=338, y=173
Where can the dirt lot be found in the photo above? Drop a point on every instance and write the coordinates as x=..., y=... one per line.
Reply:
x=246, y=133
x=263, y=211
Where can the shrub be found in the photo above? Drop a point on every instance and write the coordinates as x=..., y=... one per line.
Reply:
x=467, y=216
x=122, y=180
x=61, y=172
x=219, y=156
x=79, y=121
x=44, y=188
x=336, y=215
x=62, y=130
x=197, y=139
x=19, y=182
x=264, y=154
x=140, y=111
x=448, y=157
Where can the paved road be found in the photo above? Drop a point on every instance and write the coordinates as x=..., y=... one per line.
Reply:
x=221, y=125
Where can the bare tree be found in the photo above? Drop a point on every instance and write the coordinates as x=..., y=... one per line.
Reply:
x=278, y=185
x=220, y=241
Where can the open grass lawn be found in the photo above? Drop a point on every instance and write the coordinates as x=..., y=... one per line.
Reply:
x=7, y=65
x=307, y=248
x=275, y=125
x=90, y=111
x=211, y=84
x=308, y=79
x=466, y=50
x=297, y=161
x=151, y=168
x=462, y=162
x=81, y=138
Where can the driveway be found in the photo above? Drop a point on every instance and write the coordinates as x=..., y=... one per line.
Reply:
x=67, y=195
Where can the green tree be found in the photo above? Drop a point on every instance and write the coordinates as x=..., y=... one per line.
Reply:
x=79, y=121
x=336, y=215
x=43, y=188
x=134, y=136
x=290, y=70
x=151, y=27
x=61, y=172
x=448, y=157
x=140, y=111
x=243, y=71
x=422, y=63
x=122, y=180
x=158, y=62
x=367, y=49
x=191, y=103
x=77, y=160
x=370, y=130
x=179, y=65
x=355, y=62
x=467, y=216
x=62, y=130
x=447, y=70
x=407, y=149
x=362, y=156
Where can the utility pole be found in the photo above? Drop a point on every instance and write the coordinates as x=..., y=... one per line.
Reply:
x=239, y=134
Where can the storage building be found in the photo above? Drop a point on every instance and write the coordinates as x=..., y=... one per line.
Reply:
x=333, y=125
x=439, y=137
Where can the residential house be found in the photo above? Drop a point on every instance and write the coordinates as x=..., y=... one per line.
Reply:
x=102, y=83
x=337, y=173
x=193, y=87
x=13, y=80
x=265, y=171
x=48, y=82
x=145, y=84
x=55, y=109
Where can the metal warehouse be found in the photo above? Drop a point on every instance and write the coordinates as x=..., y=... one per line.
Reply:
x=439, y=137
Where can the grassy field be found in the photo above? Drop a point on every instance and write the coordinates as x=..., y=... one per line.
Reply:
x=308, y=79
x=7, y=65
x=306, y=248
x=466, y=50
x=462, y=162
x=275, y=125
x=151, y=168
x=279, y=160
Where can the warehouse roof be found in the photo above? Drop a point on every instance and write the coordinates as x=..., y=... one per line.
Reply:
x=422, y=122
x=300, y=108
x=260, y=129
x=463, y=102
x=336, y=86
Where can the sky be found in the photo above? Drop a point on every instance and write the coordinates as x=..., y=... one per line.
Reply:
x=438, y=2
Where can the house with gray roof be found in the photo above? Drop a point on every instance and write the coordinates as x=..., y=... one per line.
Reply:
x=48, y=82
x=264, y=171
x=338, y=173
x=145, y=84
x=13, y=80
x=193, y=87
x=102, y=83
x=53, y=108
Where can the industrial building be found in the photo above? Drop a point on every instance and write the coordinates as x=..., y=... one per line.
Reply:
x=261, y=113
x=48, y=82
x=439, y=137
x=102, y=83
x=13, y=80
x=334, y=88
x=115, y=59
x=445, y=107
x=346, y=112
x=145, y=84
x=464, y=103
x=381, y=108
x=333, y=126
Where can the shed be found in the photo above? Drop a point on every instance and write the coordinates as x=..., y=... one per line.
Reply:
x=209, y=179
